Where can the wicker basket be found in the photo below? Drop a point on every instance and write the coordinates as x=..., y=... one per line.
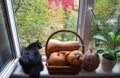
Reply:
x=62, y=69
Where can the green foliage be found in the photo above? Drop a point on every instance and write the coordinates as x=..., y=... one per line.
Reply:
x=30, y=19
x=104, y=10
x=65, y=36
x=35, y=20
x=70, y=23
x=109, y=44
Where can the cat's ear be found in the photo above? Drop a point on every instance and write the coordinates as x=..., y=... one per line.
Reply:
x=37, y=41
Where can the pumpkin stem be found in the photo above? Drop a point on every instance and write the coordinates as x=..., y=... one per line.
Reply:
x=58, y=53
x=67, y=53
x=90, y=50
x=77, y=56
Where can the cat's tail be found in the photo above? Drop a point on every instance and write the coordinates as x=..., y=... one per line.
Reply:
x=34, y=72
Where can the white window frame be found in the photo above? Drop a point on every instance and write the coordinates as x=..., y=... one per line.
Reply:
x=6, y=72
x=84, y=22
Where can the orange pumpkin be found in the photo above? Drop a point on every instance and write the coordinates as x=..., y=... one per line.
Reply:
x=57, y=59
x=75, y=58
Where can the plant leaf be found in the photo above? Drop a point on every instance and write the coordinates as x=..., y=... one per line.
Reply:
x=111, y=36
x=117, y=35
x=117, y=50
x=118, y=32
x=100, y=51
x=100, y=37
x=112, y=54
x=117, y=38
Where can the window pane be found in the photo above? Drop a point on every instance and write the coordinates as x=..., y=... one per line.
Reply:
x=107, y=14
x=5, y=47
x=37, y=19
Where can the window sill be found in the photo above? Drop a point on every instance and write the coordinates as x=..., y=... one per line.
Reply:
x=98, y=73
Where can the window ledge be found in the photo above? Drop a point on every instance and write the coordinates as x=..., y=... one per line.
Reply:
x=18, y=73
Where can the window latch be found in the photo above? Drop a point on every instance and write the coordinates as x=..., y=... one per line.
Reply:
x=92, y=12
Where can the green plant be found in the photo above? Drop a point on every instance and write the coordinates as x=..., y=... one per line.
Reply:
x=110, y=44
x=118, y=56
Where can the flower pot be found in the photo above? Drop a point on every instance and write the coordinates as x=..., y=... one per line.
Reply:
x=107, y=65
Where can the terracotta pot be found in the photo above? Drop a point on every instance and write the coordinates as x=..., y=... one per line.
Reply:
x=107, y=65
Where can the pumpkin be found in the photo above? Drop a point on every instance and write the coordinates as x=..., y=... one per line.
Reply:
x=57, y=59
x=91, y=61
x=56, y=45
x=74, y=58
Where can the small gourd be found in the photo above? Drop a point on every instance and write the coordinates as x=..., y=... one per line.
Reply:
x=91, y=61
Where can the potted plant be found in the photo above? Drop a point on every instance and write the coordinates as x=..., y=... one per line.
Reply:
x=109, y=47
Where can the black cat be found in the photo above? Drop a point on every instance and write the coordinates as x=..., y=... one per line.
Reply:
x=31, y=60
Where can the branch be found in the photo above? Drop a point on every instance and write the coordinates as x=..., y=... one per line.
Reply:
x=17, y=7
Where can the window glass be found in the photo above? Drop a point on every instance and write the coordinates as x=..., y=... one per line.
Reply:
x=5, y=47
x=37, y=19
x=106, y=18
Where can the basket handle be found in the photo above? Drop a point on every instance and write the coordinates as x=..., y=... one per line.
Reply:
x=63, y=31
